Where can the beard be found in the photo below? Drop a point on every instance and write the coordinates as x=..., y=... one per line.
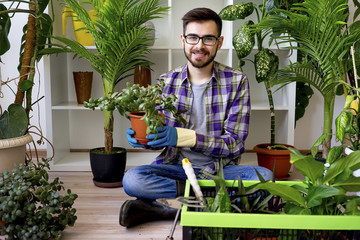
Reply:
x=199, y=64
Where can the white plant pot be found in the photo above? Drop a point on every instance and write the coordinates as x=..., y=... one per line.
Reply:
x=13, y=151
x=356, y=173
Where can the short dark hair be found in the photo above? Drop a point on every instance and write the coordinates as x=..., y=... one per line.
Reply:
x=202, y=15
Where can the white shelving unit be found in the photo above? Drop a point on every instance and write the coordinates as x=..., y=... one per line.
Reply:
x=72, y=128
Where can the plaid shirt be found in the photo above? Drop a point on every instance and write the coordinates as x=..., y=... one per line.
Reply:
x=227, y=114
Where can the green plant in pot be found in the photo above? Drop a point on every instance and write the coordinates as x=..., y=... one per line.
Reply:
x=32, y=206
x=266, y=65
x=14, y=122
x=122, y=44
x=142, y=105
x=319, y=29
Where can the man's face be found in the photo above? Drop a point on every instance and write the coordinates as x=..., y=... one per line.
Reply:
x=201, y=55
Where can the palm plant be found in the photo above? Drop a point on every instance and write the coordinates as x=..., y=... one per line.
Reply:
x=121, y=43
x=320, y=30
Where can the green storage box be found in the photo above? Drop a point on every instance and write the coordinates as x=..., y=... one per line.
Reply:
x=207, y=225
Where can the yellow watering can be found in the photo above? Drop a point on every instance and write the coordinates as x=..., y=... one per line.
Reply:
x=82, y=36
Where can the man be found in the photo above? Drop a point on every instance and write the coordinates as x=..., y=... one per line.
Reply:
x=218, y=107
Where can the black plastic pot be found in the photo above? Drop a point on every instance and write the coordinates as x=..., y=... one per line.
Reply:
x=108, y=168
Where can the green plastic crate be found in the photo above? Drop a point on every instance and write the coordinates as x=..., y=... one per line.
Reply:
x=291, y=226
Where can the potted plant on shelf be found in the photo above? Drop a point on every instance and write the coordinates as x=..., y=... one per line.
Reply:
x=324, y=39
x=122, y=44
x=32, y=206
x=266, y=64
x=14, y=123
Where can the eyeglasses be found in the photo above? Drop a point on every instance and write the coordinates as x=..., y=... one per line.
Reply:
x=206, y=40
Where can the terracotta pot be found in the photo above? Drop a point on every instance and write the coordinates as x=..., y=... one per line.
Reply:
x=83, y=84
x=268, y=157
x=13, y=151
x=139, y=126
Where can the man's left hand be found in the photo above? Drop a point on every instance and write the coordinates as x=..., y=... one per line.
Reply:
x=171, y=136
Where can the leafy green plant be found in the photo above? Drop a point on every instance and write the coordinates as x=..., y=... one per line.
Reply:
x=136, y=98
x=120, y=40
x=319, y=27
x=13, y=122
x=36, y=33
x=325, y=191
x=265, y=61
x=243, y=199
x=348, y=123
x=32, y=206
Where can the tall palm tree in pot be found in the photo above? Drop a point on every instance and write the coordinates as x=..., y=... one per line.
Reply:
x=121, y=41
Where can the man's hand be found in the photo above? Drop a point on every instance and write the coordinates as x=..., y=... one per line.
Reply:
x=132, y=141
x=171, y=136
x=166, y=136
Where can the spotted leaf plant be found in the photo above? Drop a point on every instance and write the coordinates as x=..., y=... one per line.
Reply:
x=265, y=61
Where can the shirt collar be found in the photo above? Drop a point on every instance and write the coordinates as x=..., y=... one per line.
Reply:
x=184, y=70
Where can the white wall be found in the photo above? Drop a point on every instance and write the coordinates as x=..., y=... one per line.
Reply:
x=9, y=71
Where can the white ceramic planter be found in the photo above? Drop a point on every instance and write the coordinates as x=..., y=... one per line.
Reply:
x=13, y=151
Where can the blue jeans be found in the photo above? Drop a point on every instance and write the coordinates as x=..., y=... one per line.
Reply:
x=158, y=181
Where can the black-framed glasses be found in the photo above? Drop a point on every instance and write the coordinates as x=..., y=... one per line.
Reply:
x=206, y=40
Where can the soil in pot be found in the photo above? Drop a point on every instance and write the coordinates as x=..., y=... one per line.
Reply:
x=268, y=157
x=108, y=168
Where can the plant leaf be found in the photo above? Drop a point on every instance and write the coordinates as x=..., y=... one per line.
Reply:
x=350, y=185
x=317, y=193
x=287, y=193
x=308, y=166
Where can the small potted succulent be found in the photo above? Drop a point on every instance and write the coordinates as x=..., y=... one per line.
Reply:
x=32, y=206
x=141, y=103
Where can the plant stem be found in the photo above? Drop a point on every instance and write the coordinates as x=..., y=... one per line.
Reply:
x=28, y=52
x=272, y=112
x=108, y=127
x=328, y=116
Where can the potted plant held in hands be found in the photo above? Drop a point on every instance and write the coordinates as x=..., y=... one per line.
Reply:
x=266, y=65
x=121, y=44
x=143, y=106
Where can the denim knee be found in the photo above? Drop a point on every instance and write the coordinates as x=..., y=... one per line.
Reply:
x=131, y=182
x=265, y=173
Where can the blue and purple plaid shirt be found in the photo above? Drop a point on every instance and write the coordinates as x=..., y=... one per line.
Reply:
x=227, y=114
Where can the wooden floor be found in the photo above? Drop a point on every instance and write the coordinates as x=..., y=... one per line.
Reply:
x=98, y=212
